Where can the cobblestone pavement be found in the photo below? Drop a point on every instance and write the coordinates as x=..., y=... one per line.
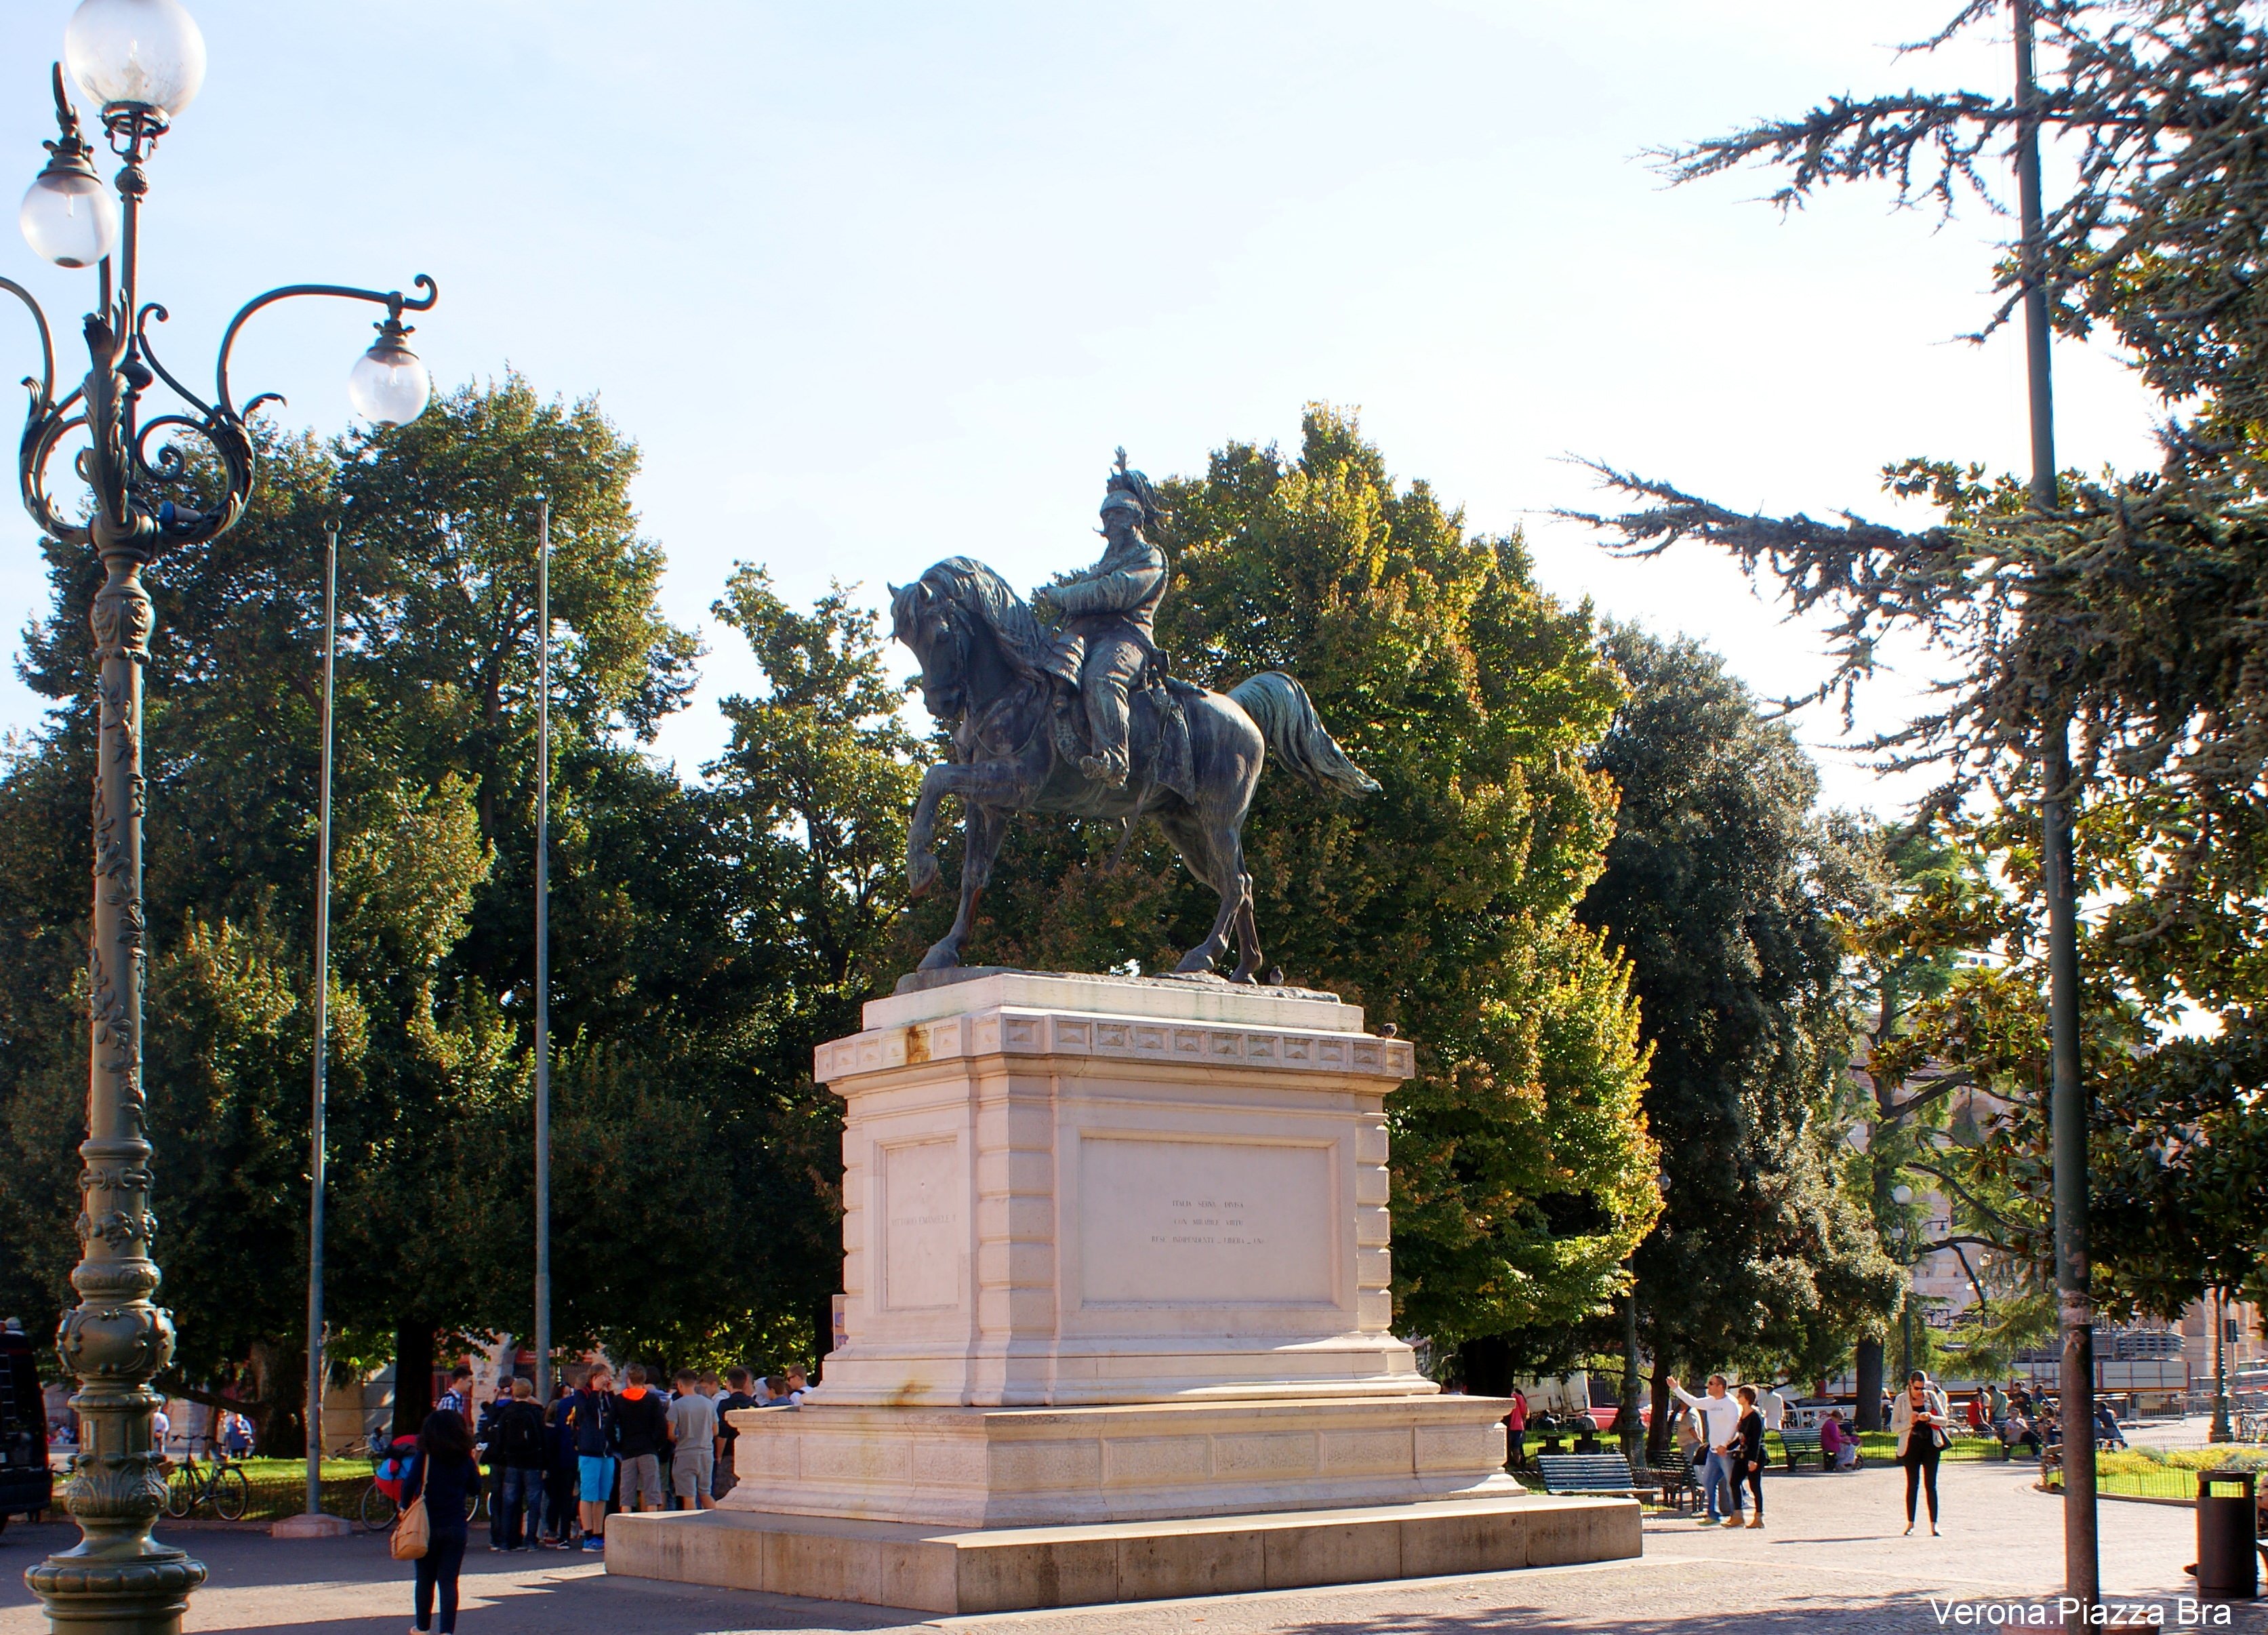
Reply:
x=1831, y=1558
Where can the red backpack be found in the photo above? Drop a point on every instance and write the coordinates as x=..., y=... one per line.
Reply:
x=394, y=1469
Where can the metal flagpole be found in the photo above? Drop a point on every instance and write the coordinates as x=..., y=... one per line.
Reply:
x=322, y=1043
x=543, y=951
x=2068, y=1108
x=2221, y=1431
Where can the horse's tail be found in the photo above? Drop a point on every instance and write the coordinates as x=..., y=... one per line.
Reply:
x=1279, y=706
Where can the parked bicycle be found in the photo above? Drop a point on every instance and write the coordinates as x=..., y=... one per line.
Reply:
x=219, y=1485
x=382, y=1502
x=378, y=1509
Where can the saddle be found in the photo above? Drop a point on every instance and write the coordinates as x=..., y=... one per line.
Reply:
x=1161, y=758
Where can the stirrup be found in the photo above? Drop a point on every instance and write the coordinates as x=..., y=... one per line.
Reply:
x=1105, y=768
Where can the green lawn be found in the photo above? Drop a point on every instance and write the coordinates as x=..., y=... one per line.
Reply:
x=2163, y=1473
x=278, y=1487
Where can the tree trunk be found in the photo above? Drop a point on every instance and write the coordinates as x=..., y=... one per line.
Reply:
x=1657, y=1438
x=1488, y=1366
x=279, y=1401
x=1628, y=1424
x=1869, y=1368
x=413, y=1377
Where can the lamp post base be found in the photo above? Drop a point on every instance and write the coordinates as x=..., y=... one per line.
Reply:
x=142, y=1594
x=311, y=1526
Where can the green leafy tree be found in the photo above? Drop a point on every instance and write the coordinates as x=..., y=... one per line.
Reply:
x=1907, y=1117
x=431, y=949
x=807, y=808
x=1724, y=890
x=2178, y=1148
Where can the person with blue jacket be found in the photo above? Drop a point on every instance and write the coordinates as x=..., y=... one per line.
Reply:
x=592, y=1419
x=448, y=1477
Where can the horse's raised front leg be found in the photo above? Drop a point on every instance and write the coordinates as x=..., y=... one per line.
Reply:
x=921, y=831
x=994, y=784
x=982, y=836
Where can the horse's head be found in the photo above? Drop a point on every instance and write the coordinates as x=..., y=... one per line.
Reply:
x=935, y=630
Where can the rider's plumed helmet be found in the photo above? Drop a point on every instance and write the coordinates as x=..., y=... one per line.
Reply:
x=1130, y=491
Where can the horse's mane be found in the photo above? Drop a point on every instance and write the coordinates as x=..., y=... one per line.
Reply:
x=973, y=585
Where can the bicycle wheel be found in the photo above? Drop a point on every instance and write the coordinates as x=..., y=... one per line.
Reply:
x=180, y=1493
x=230, y=1492
x=379, y=1510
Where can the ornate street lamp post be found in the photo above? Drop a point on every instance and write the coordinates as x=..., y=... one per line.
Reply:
x=142, y=61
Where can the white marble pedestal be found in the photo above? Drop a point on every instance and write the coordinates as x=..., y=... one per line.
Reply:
x=1116, y=1255
x=1063, y=1190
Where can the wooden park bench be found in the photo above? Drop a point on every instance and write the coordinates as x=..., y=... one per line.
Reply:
x=1591, y=1473
x=1673, y=1480
x=1801, y=1442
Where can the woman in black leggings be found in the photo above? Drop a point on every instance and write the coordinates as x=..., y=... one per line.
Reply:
x=1919, y=1418
x=1749, y=1451
x=445, y=1476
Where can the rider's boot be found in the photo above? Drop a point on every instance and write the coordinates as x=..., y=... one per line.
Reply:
x=1107, y=727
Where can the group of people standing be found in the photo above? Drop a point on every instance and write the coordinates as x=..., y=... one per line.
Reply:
x=2017, y=1420
x=555, y=1472
x=1732, y=1425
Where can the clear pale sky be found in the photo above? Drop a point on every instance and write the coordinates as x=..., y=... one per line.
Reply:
x=877, y=285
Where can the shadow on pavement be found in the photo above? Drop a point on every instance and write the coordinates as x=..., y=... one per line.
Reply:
x=1830, y=1613
x=351, y=1586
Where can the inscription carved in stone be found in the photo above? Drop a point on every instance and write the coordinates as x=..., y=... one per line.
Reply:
x=1204, y=1222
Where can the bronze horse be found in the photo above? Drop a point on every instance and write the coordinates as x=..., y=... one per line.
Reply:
x=1197, y=756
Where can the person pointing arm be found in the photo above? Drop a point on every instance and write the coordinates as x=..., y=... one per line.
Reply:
x=1720, y=1421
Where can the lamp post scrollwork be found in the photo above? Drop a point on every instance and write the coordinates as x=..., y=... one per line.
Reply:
x=142, y=61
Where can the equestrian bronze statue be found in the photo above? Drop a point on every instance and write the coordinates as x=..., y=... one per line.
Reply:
x=1065, y=704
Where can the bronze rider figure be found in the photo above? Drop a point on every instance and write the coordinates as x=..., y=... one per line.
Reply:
x=1107, y=615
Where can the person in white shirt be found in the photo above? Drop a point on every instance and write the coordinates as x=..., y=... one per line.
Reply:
x=1719, y=1418
x=1774, y=1408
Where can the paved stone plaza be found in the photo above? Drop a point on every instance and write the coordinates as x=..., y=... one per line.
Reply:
x=1831, y=1560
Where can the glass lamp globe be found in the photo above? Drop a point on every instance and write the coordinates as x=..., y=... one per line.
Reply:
x=68, y=215
x=388, y=383
x=136, y=53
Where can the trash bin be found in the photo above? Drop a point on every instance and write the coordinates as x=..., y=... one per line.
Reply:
x=2227, y=1569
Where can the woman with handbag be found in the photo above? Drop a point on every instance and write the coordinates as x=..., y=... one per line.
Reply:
x=444, y=1481
x=1920, y=1419
x=1748, y=1456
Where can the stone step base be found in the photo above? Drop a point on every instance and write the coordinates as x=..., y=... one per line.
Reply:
x=940, y=1569
x=990, y=1468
